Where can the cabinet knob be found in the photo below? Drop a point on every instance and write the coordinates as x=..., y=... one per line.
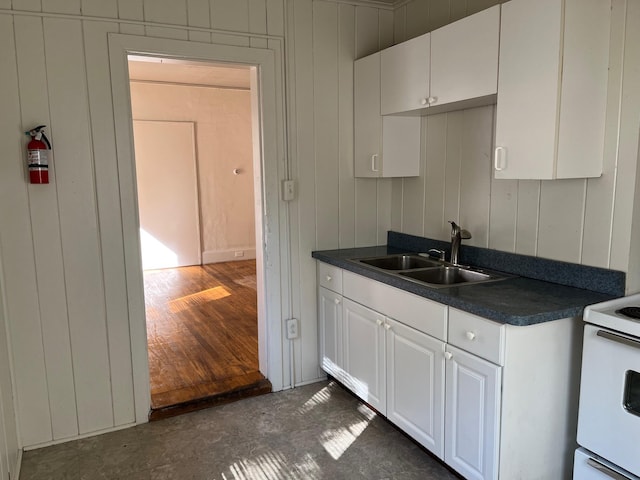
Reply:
x=424, y=101
x=329, y=278
x=374, y=159
x=432, y=100
x=448, y=355
x=379, y=322
x=336, y=301
x=387, y=326
x=470, y=335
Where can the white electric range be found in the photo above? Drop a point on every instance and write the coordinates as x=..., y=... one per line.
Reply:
x=609, y=414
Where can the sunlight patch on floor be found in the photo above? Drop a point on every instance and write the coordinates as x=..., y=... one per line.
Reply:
x=337, y=441
x=273, y=466
x=320, y=397
x=188, y=301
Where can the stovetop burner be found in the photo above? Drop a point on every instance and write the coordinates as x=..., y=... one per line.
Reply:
x=632, y=312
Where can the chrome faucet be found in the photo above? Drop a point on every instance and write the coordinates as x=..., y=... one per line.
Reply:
x=457, y=234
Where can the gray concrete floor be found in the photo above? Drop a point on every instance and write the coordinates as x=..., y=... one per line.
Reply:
x=314, y=432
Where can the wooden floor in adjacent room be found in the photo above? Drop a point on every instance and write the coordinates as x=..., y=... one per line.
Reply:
x=202, y=333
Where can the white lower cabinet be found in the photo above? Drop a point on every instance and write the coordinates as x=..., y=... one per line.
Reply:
x=472, y=419
x=494, y=401
x=330, y=332
x=415, y=384
x=364, y=353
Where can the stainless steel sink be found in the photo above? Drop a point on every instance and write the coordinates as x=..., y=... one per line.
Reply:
x=399, y=262
x=449, y=276
x=428, y=271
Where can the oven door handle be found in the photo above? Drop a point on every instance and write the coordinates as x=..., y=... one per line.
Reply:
x=618, y=338
x=605, y=470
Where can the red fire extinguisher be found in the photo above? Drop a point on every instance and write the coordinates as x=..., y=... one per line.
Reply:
x=38, y=155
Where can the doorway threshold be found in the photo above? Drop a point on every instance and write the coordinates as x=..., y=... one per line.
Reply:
x=228, y=392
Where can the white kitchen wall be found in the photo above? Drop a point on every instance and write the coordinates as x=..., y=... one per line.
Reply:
x=63, y=256
x=9, y=456
x=580, y=221
x=62, y=245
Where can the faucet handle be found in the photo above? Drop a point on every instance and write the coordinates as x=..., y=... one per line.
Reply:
x=464, y=234
x=434, y=252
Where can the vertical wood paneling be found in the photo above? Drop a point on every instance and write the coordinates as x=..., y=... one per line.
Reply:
x=45, y=226
x=399, y=24
x=80, y=237
x=457, y=9
x=367, y=37
x=325, y=108
x=385, y=185
x=455, y=125
x=71, y=7
x=436, y=153
x=596, y=244
x=346, y=56
x=416, y=18
x=198, y=15
x=367, y=41
x=439, y=14
x=166, y=11
x=275, y=17
x=396, y=204
x=561, y=219
x=131, y=9
x=8, y=430
x=19, y=263
x=475, y=177
x=303, y=278
x=528, y=217
x=230, y=15
x=258, y=22
x=413, y=200
x=100, y=8
x=110, y=223
x=504, y=210
x=627, y=143
x=478, y=5
x=28, y=5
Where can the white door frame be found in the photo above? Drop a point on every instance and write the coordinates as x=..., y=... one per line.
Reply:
x=270, y=276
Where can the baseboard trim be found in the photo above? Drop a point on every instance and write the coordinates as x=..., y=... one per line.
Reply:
x=217, y=256
x=79, y=437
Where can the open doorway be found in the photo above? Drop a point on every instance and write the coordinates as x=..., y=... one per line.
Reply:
x=194, y=153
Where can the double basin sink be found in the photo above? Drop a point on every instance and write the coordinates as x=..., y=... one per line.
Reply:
x=430, y=272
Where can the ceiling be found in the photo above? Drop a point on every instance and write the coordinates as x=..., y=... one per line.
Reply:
x=164, y=70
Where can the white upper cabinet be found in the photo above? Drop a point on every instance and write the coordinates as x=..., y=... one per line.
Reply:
x=553, y=70
x=450, y=68
x=405, y=75
x=384, y=147
x=464, y=58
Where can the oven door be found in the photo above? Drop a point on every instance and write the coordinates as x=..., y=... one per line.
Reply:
x=609, y=416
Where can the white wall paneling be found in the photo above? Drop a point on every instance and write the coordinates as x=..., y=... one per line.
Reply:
x=19, y=262
x=45, y=224
x=10, y=454
x=64, y=249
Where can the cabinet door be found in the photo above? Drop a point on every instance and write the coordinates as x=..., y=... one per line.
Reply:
x=528, y=89
x=330, y=331
x=405, y=76
x=472, y=418
x=366, y=117
x=464, y=58
x=364, y=354
x=415, y=385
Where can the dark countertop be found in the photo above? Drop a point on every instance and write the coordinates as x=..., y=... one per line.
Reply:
x=516, y=301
